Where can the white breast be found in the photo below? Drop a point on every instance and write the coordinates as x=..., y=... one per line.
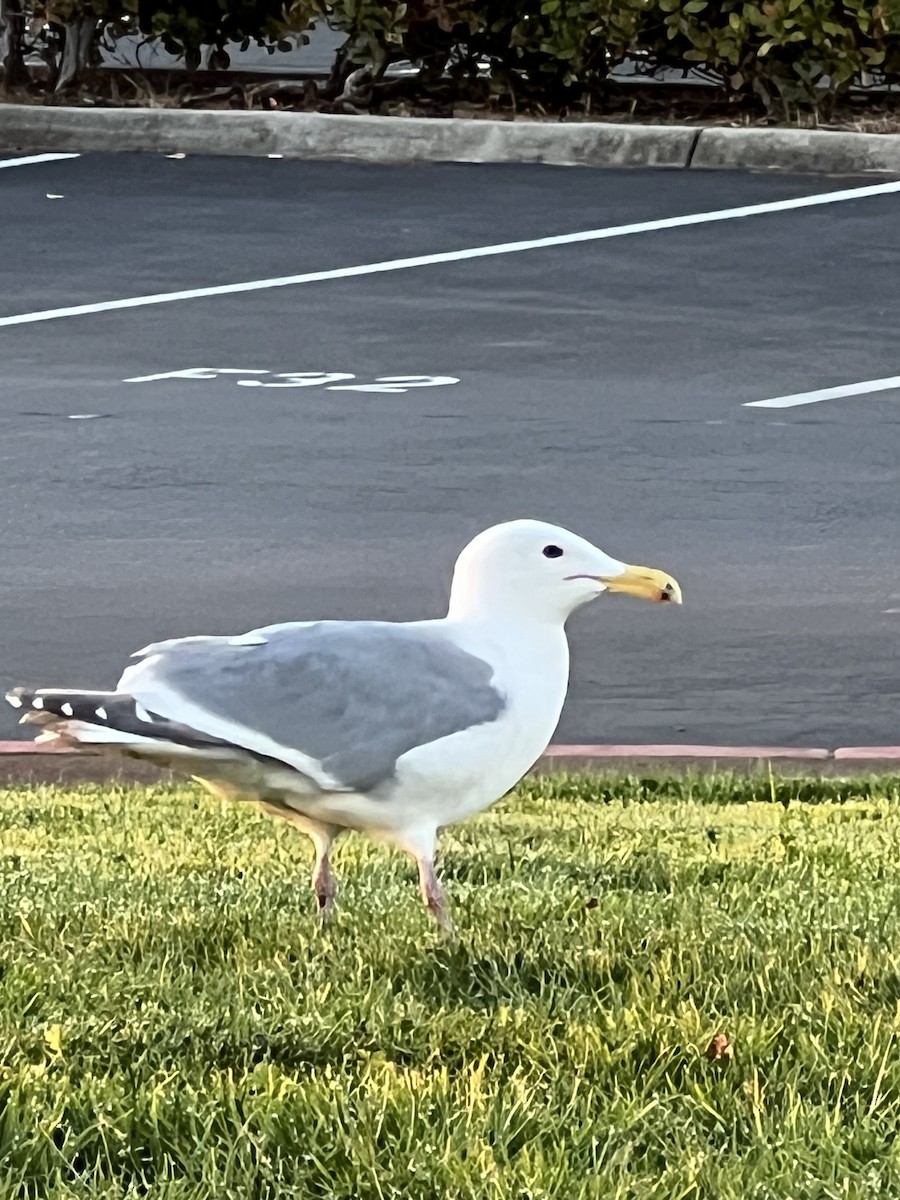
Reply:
x=464, y=773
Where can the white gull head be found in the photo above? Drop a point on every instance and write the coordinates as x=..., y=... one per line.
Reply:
x=540, y=572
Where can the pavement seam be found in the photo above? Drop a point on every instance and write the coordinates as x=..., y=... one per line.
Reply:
x=693, y=150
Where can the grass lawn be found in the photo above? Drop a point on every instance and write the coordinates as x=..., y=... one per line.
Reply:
x=173, y=1025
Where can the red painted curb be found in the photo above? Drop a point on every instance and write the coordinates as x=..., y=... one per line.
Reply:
x=32, y=748
x=679, y=751
x=860, y=753
x=845, y=753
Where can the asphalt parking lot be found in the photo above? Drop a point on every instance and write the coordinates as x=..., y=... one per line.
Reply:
x=216, y=462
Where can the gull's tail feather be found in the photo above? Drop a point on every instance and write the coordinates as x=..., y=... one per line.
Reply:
x=115, y=723
x=105, y=719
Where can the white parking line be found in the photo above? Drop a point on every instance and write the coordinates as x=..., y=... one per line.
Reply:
x=428, y=260
x=834, y=393
x=31, y=159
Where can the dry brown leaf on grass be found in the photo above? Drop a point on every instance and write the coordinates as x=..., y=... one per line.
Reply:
x=720, y=1047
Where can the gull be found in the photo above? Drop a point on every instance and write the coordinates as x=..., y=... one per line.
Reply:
x=395, y=730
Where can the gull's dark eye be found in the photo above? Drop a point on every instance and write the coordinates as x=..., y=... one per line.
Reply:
x=552, y=552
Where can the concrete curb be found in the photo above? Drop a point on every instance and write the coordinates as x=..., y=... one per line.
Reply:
x=362, y=139
x=674, y=750
x=694, y=752
x=33, y=129
x=26, y=762
x=798, y=150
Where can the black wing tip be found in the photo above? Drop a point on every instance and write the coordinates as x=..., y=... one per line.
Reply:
x=114, y=710
x=37, y=703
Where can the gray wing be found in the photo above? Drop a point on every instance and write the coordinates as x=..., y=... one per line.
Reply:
x=346, y=698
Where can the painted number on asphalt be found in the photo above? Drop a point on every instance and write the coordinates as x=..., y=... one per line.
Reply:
x=332, y=381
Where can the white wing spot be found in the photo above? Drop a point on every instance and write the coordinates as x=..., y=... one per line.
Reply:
x=101, y=713
x=248, y=639
x=37, y=702
x=15, y=701
x=141, y=713
x=68, y=710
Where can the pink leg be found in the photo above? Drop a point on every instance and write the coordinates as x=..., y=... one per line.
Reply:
x=434, y=895
x=323, y=881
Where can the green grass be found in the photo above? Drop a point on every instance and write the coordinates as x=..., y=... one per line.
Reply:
x=173, y=1025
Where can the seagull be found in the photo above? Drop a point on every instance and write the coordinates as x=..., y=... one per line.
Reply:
x=394, y=730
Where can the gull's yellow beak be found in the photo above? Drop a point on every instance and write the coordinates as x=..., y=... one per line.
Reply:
x=644, y=582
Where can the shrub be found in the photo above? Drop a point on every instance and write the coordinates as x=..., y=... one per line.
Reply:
x=186, y=27
x=785, y=53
